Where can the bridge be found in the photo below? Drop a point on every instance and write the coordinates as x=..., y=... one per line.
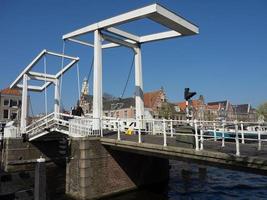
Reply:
x=202, y=141
x=106, y=152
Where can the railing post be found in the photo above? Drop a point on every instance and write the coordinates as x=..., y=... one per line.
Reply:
x=196, y=135
x=171, y=128
x=223, y=130
x=164, y=133
x=101, y=127
x=139, y=132
x=214, y=132
x=119, y=132
x=259, y=137
x=153, y=127
x=242, y=132
x=40, y=180
x=201, y=137
x=237, y=139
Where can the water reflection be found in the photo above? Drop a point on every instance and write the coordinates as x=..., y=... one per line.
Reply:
x=191, y=181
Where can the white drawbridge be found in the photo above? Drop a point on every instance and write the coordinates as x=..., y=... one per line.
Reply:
x=109, y=31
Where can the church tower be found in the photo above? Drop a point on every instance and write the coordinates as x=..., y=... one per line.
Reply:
x=85, y=98
x=85, y=87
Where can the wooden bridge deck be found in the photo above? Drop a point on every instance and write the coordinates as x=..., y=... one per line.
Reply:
x=213, y=154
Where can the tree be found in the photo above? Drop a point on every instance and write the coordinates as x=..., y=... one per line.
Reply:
x=167, y=110
x=262, y=110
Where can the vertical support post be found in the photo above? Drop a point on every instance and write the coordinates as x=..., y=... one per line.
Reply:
x=139, y=94
x=242, y=132
x=164, y=133
x=237, y=139
x=40, y=180
x=153, y=128
x=139, y=133
x=171, y=128
x=119, y=132
x=196, y=135
x=101, y=127
x=24, y=105
x=56, y=98
x=187, y=110
x=214, y=132
x=223, y=130
x=259, y=138
x=201, y=137
x=97, y=87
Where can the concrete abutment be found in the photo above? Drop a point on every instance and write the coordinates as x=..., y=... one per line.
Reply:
x=95, y=171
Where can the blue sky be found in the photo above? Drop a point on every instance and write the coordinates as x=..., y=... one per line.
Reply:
x=227, y=60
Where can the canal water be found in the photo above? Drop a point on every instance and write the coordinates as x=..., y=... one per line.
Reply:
x=187, y=181
x=191, y=181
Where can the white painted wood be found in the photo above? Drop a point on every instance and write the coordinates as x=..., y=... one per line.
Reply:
x=159, y=36
x=97, y=87
x=27, y=69
x=124, y=34
x=61, y=55
x=81, y=42
x=24, y=106
x=139, y=91
x=56, y=98
x=118, y=41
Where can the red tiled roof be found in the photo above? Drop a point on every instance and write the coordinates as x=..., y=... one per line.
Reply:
x=9, y=91
x=151, y=97
x=195, y=103
x=213, y=107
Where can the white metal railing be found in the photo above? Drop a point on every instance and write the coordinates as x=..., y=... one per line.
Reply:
x=217, y=131
x=203, y=131
x=11, y=132
x=53, y=121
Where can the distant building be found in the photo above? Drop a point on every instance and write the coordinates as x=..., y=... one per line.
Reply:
x=224, y=110
x=119, y=108
x=196, y=107
x=219, y=110
x=10, y=104
x=85, y=99
x=244, y=112
x=125, y=108
x=155, y=103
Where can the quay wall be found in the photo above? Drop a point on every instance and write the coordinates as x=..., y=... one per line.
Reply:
x=94, y=171
x=19, y=155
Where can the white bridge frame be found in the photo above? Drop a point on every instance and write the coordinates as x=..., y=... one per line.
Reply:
x=107, y=30
x=48, y=79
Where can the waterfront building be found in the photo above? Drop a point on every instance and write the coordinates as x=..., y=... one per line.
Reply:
x=10, y=103
x=244, y=112
x=196, y=107
x=85, y=99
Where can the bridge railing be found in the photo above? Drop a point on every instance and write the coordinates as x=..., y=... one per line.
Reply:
x=217, y=131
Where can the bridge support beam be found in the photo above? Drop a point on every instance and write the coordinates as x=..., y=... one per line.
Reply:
x=57, y=97
x=139, y=93
x=97, y=87
x=24, y=105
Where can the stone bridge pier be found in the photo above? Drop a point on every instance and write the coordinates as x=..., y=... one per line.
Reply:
x=94, y=171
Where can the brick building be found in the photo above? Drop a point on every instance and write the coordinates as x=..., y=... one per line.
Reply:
x=244, y=112
x=10, y=103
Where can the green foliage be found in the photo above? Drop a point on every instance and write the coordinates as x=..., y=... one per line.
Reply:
x=167, y=110
x=262, y=110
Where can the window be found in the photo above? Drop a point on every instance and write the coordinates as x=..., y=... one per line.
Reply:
x=5, y=114
x=6, y=102
x=125, y=114
x=13, y=116
x=13, y=103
